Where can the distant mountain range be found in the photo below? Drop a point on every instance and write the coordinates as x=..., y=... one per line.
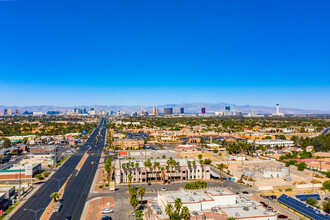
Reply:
x=188, y=108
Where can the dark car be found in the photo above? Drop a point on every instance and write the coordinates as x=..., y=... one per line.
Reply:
x=282, y=217
x=149, y=184
x=68, y=217
x=106, y=218
x=273, y=196
x=245, y=192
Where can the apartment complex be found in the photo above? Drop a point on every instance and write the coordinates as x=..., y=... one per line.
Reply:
x=160, y=170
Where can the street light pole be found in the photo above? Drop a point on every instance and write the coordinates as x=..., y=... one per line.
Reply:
x=35, y=212
x=58, y=182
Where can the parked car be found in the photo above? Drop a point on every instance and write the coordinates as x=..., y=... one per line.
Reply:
x=106, y=218
x=269, y=208
x=149, y=184
x=245, y=192
x=106, y=211
x=273, y=197
x=163, y=189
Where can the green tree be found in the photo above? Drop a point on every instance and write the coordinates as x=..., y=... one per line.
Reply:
x=133, y=201
x=301, y=166
x=326, y=206
x=55, y=196
x=132, y=191
x=107, y=168
x=6, y=143
x=139, y=214
x=169, y=210
x=178, y=204
x=185, y=213
x=141, y=192
x=311, y=201
x=200, y=156
x=326, y=185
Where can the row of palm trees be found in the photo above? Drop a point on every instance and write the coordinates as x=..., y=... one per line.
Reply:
x=155, y=168
x=133, y=193
x=177, y=212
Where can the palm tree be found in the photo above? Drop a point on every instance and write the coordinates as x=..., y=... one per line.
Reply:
x=167, y=170
x=132, y=191
x=134, y=202
x=221, y=166
x=201, y=162
x=130, y=178
x=141, y=192
x=136, y=170
x=185, y=213
x=138, y=214
x=54, y=196
x=162, y=175
x=178, y=204
x=169, y=210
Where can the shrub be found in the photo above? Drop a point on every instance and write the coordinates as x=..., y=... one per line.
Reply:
x=288, y=189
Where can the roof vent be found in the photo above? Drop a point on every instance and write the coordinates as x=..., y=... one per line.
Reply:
x=237, y=214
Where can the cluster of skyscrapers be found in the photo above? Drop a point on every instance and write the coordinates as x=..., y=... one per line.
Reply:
x=10, y=112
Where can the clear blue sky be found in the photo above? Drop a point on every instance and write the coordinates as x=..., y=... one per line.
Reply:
x=72, y=52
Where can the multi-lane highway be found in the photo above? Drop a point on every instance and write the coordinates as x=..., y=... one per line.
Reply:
x=41, y=198
x=78, y=186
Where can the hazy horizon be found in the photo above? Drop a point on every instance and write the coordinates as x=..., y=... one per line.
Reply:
x=66, y=53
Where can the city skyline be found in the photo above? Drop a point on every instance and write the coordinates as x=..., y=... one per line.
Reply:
x=148, y=53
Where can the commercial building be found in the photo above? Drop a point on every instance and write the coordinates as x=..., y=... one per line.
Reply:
x=182, y=111
x=176, y=111
x=272, y=143
x=19, y=171
x=155, y=111
x=7, y=111
x=209, y=204
x=186, y=169
x=203, y=111
x=17, y=112
x=127, y=144
x=227, y=108
x=168, y=111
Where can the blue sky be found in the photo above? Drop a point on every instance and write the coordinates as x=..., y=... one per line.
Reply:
x=77, y=52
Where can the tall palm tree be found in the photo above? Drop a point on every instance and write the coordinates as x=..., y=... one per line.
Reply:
x=178, y=204
x=185, y=213
x=201, y=162
x=169, y=210
x=162, y=169
x=167, y=170
x=141, y=192
x=134, y=202
x=129, y=178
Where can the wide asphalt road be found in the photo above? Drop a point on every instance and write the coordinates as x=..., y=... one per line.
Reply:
x=41, y=198
x=78, y=187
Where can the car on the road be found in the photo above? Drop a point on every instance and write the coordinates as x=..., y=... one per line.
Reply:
x=58, y=207
x=282, y=216
x=106, y=211
x=69, y=217
x=245, y=192
x=172, y=183
x=106, y=218
x=164, y=189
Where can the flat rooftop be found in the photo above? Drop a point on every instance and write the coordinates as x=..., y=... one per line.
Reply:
x=182, y=161
x=198, y=195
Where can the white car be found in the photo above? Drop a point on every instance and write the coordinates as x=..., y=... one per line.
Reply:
x=106, y=211
x=163, y=189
